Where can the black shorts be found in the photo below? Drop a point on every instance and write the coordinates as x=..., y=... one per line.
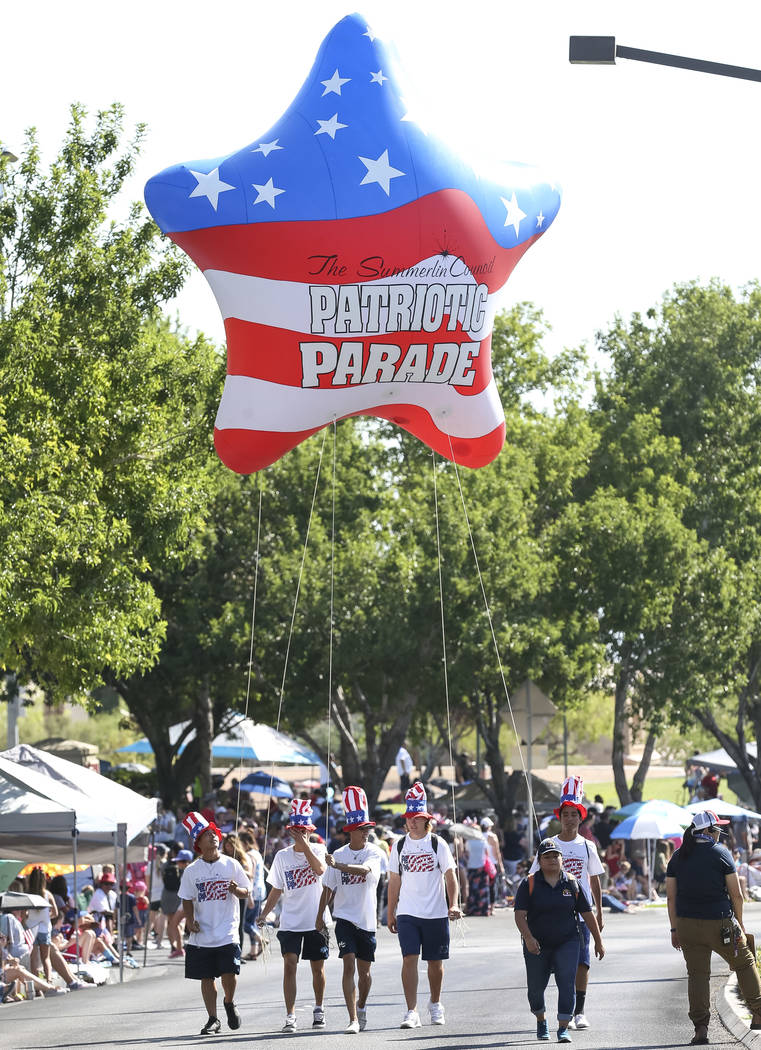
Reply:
x=204, y=963
x=354, y=941
x=310, y=944
x=155, y=905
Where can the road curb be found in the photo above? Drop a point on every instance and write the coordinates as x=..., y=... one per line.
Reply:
x=736, y=1016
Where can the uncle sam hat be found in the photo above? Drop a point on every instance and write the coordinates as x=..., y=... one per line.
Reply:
x=195, y=825
x=416, y=802
x=356, y=809
x=301, y=814
x=572, y=795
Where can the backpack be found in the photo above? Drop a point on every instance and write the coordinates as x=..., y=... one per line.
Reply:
x=171, y=877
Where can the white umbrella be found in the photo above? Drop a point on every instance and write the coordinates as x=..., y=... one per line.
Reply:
x=652, y=825
x=466, y=831
x=722, y=808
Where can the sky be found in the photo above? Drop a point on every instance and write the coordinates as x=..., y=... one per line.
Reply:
x=659, y=167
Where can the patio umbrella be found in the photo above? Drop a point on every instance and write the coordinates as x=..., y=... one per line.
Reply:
x=722, y=808
x=650, y=826
x=261, y=783
x=466, y=831
x=657, y=806
x=10, y=900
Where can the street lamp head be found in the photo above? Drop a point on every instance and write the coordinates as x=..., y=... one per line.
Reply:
x=592, y=50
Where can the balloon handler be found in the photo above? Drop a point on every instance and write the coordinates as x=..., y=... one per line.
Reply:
x=210, y=890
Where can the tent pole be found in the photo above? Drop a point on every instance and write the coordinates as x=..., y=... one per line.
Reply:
x=74, y=834
x=121, y=840
x=151, y=862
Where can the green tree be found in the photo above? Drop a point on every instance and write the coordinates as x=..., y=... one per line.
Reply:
x=105, y=414
x=691, y=366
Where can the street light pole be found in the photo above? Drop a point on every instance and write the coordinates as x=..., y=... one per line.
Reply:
x=603, y=51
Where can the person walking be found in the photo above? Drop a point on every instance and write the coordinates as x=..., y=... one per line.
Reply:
x=421, y=903
x=210, y=889
x=705, y=909
x=404, y=767
x=580, y=859
x=350, y=883
x=296, y=875
x=548, y=905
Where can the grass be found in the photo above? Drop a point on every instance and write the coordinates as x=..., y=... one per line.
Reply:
x=668, y=788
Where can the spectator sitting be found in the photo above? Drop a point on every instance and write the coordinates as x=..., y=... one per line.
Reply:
x=614, y=856
x=103, y=902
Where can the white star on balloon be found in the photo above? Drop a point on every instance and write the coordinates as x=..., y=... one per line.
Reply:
x=413, y=118
x=330, y=127
x=265, y=148
x=514, y=213
x=266, y=193
x=335, y=83
x=377, y=78
x=210, y=185
x=380, y=171
x=539, y=221
x=369, y=33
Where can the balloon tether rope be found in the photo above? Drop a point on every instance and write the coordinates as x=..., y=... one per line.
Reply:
x=460, y=903
x=529, y=792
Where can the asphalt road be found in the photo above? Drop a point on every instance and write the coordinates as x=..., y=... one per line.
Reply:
x=637, y=999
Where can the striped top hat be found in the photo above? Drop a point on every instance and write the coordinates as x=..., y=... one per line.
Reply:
x=195, y=825
x=572, y=795
x=301, y=814
x=356, y=809
x=416, y=802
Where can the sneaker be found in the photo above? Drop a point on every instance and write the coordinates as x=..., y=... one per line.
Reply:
x=290, y=1023
x=178, y=953
x=76, y=985
x=579, y=1022
x=542, y=1030
x=54, y=991
x=411, y=1020
x=352, y=1027
x=318, y=1017
x=436, y=1010
x=212, y=1026
x=563, y=1036
x=362, y=1017
x=233, y=1017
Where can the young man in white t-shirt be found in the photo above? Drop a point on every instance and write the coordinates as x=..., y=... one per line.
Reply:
x=351, y=882
x=580, y=859
x=210, y=889
x=422, y=898
x=296, y=875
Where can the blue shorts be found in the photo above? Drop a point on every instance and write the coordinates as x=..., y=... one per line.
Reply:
x=352, y=940
x=309, y=944
x=430, y=935
x=206, y=963
x=42, y=937
x=584, y=958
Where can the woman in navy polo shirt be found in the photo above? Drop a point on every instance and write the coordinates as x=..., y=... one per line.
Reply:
x=547, y=909
x=706, y=915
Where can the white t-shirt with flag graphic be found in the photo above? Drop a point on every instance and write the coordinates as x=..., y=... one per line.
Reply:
x=355, y=898
x=580, y=859
x=422, y=893
x=302, y=889
x=207, y=884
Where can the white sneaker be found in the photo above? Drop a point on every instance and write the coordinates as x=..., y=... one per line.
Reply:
x=362, y=1017
x=352, y=1028
x=436, y=1010
x=290, y=1023
x=580, y=1022
x=318, y=1017
x=570, y=1026
x=411, y=1020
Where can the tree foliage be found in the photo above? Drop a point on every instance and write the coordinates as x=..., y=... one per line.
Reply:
x=104, y=414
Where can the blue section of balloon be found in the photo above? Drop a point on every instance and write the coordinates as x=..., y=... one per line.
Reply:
x=346, y=147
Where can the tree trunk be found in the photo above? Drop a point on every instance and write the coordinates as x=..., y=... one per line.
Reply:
x=640, y=775
x=203, y=722
x=619, y=725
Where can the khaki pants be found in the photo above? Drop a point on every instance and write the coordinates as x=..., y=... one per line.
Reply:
x=700, y=937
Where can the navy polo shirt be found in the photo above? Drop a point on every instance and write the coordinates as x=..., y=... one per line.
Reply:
x=701, y=887
x=551, y=909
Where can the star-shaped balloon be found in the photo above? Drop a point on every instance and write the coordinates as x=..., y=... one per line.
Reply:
x=356, y=261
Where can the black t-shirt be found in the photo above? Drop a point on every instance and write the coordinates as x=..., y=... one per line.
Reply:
x=701, y=888
x=551, y=910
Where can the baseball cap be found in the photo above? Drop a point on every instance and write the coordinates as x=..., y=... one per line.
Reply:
x=706, y=819
x=547, y=846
